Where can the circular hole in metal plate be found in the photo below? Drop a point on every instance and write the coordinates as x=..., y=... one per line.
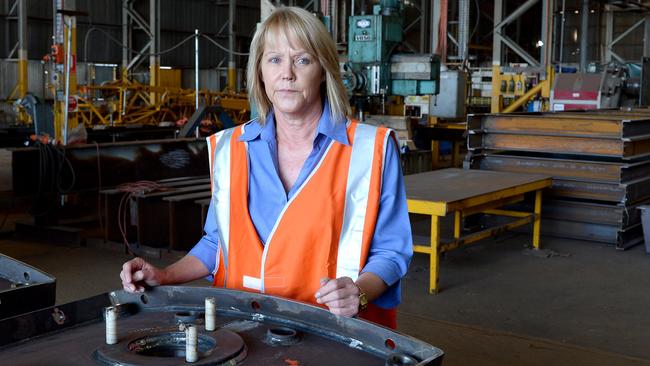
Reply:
x=144, y=299
x=170, y=344
x=281, y=336
x=26, y=275
x=186, y=316
x=400, y=359
x=390, y=343
x=256, y=305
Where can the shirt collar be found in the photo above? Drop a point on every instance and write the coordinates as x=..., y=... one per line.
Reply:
x=326, y=127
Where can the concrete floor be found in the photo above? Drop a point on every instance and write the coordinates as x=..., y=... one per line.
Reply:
x=499, y=305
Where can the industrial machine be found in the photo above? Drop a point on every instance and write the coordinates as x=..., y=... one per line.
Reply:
x=202, y=326
x=374, y=68
x=588, y=90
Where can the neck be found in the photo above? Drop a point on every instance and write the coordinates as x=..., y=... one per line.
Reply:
x=298, y=128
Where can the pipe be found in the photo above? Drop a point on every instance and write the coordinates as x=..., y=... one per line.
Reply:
x=68, y=59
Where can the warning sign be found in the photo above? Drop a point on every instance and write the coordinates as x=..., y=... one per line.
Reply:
x=73, y=103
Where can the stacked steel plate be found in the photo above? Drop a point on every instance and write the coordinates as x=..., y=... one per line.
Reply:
x=599, y=160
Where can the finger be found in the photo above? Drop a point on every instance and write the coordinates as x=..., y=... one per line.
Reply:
x=330, y=286
x=128, y=287
x=130, y=266
x=342, y=303
x=345, y=294
x=345, y=289
x=138, y=276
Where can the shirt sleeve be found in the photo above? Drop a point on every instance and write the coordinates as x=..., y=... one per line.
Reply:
x=207, y=248
x=391, y=248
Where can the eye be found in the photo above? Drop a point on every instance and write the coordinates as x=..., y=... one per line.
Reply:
x=274, y=60
x=303, y=61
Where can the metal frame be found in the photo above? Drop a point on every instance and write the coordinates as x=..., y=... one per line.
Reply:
x=20, y=9
x=610, y=40
x=541, y=66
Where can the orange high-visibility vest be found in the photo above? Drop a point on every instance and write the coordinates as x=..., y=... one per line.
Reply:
x=325, y=229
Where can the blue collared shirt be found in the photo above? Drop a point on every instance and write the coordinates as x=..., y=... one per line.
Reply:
x=391, y=247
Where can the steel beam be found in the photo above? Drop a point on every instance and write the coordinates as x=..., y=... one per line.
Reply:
x=587, y=170
x=597, y=126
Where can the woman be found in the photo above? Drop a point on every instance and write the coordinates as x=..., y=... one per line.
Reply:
x=306, y=204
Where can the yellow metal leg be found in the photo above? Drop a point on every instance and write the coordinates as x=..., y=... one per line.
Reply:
x=434, y=259
x=458, y=217
x=435, y=154
x=538, y=218
x=455, y=155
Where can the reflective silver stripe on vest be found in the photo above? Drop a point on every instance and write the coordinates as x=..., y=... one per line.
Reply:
x=356, y=202
x=221, y=190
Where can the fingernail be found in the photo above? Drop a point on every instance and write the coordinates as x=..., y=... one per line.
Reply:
x=317, y=294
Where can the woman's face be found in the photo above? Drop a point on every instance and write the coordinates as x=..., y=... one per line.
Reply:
x=291, y=76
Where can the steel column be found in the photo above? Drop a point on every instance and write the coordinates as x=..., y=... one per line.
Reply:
x=584, y=35
x=496, y=43
x=126, y=37
x=154, y=48
x=463, y=28
x=646, y=36
x=232, y=66
x=423, y=25
x=435, y=25
x=22, y=48
x=609, y=32
x=547, y=34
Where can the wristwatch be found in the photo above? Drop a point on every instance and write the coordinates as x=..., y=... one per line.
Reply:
x=363, y=300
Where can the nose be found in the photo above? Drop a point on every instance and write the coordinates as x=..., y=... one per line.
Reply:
x=287, y=72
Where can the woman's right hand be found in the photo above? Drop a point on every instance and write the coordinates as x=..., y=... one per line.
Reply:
x=137, y=273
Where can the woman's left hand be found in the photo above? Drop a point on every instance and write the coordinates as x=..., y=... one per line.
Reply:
x=340, y=295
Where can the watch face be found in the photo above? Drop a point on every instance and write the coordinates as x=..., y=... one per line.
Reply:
x=363, y=301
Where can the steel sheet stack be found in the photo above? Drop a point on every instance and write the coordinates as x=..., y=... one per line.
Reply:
x=599, y=160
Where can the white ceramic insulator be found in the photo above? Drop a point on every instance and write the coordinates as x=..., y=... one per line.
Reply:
x=191, y=344
x=210, y=314
x=111, y=325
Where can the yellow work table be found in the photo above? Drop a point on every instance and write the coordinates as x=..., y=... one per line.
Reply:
x=466, y=192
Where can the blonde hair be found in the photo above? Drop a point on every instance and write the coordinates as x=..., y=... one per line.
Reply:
x=308, y=31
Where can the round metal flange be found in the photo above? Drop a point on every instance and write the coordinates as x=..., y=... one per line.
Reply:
x=166, y=346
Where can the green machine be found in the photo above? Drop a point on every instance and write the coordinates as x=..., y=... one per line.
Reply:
x=374, y=69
